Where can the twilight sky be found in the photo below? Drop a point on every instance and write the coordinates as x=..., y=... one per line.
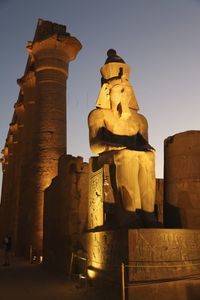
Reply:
x=159, y=39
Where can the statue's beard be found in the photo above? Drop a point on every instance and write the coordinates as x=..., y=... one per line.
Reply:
x=122, y=110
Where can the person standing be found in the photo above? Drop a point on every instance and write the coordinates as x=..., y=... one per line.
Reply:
x=7, y=243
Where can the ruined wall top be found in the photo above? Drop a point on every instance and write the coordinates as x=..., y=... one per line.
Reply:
x=46, y=29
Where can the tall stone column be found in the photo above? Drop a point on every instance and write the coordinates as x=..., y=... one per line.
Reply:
x=11, y=163
x=28, y=91
x=182, y=180
x=16, y=131
x=14, y=182
x=7, y=189
x=50, y=58
x=4, y=192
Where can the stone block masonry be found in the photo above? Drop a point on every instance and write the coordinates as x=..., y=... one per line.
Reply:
x=37, y=135
x=182, y=180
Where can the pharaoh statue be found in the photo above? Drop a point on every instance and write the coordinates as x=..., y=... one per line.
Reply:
x=119, y=135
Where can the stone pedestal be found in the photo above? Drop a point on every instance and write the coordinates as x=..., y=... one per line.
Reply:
x=150, y=256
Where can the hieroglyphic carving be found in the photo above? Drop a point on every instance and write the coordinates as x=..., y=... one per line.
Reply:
x=149, y=254
x=108, y=191
x=107, y=249
x=162, y=254
x=95, y=210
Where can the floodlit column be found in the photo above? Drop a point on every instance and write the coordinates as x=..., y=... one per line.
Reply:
x=50, y=58
x=28, y=90
x=182, y=180
x=7, y=192
x=11, y=164
x=17, y=129
x=4, y=191
x=26, y=144
x=14, y=182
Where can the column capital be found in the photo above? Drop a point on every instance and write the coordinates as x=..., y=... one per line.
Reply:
x=4, y=160
x=27, y=84
x=54, y=52
x=64, y=44
x=4, y=151
x=19, y=110
x=27, y=80
x=19, y=106
x=9, y=140
x=13, y=128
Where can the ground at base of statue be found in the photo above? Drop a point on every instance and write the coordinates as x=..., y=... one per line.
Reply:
x=22, y=280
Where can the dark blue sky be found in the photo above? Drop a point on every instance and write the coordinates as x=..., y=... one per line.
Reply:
x=159, y=39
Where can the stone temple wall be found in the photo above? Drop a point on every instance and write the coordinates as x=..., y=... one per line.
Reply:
x=65, y=213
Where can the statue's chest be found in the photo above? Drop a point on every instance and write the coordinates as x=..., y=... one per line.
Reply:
x=121, y=127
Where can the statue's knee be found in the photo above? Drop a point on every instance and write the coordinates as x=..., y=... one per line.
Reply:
x=125, y=155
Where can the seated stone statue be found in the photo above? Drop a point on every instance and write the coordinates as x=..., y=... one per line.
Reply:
x=119, y=134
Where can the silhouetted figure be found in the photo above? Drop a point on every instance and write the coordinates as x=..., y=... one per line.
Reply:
x=7, y=242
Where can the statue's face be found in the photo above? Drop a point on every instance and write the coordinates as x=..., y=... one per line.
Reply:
x=116, y=94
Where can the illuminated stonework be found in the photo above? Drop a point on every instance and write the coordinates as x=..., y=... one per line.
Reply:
x=182, y=180
x=149, y=255
x=119, y=134
x=96, y=198
x=37, y=135
x=65, y=213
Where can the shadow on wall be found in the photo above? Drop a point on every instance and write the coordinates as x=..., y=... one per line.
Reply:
x=193, y=291
x=172, y=216
x=65, y=212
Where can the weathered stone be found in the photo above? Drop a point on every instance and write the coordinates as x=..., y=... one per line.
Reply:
x=149, y=256
x=182, y=180
x=40, y=118
x=65, y=212
x=104, y=207
x=119, y=134
x=159, y=199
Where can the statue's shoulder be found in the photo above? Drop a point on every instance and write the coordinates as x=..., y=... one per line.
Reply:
x=138, y=116
x=142, y=118
x=143, y=125
x=96, y=113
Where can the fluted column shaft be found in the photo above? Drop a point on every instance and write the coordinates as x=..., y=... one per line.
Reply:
x=26, y=141
x=4, y=193
x=50, y=59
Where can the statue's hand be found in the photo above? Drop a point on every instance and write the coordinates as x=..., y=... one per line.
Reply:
x=134, y=142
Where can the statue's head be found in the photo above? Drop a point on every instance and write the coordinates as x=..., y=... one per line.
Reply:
x=115, y=81
x=114, y=67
